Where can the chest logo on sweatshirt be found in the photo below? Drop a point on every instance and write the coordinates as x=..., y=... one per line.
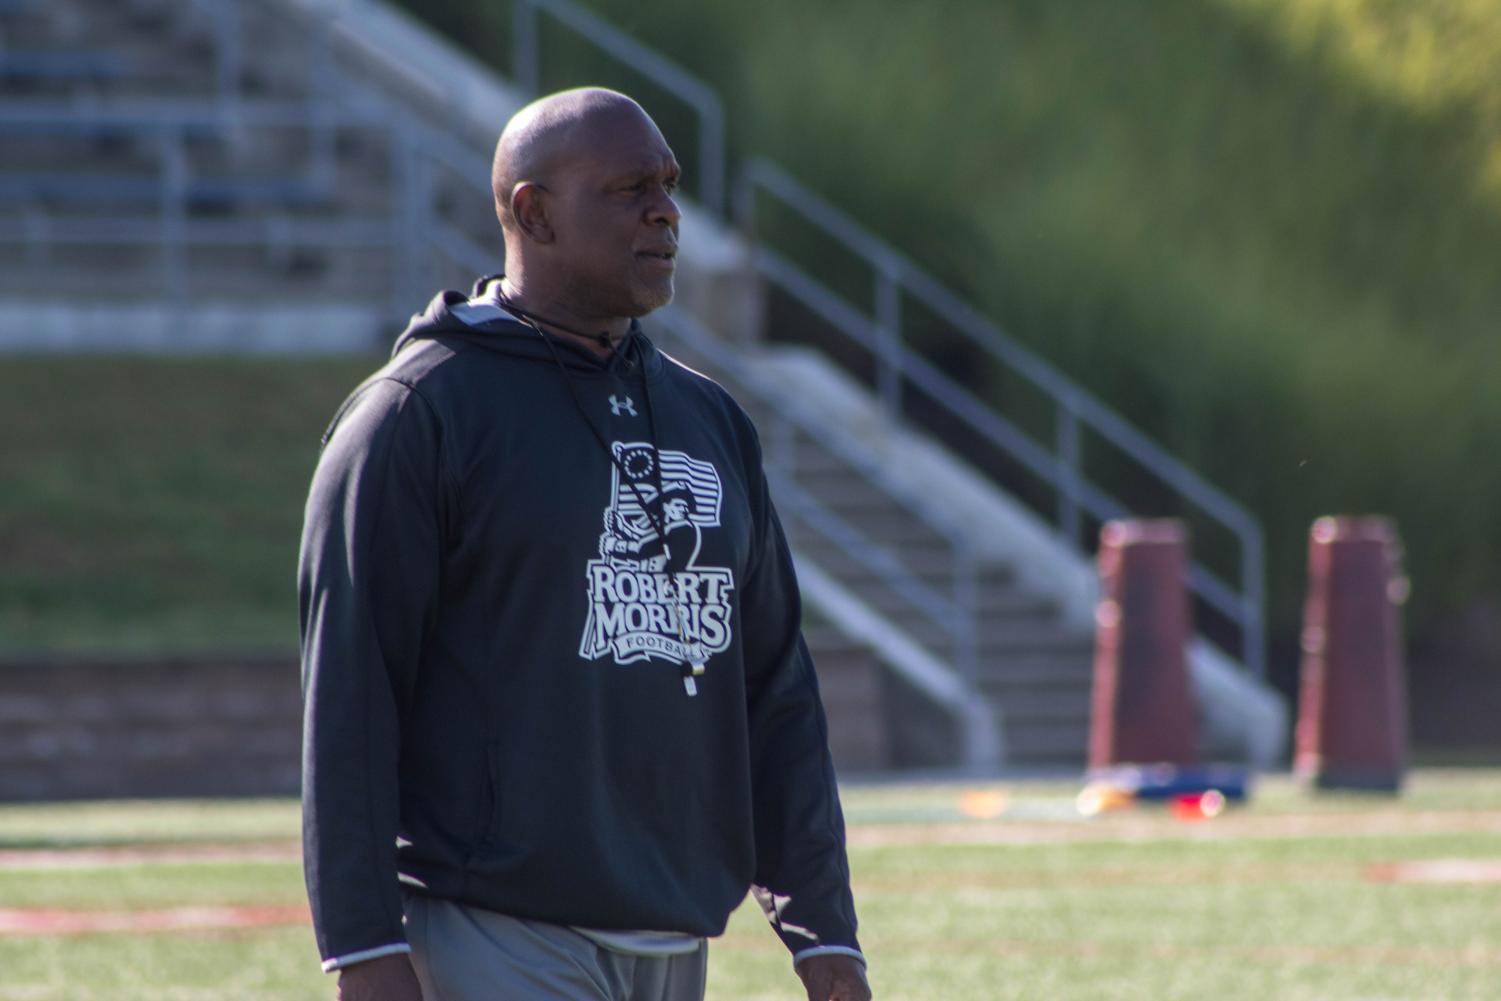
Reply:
x=648, y=595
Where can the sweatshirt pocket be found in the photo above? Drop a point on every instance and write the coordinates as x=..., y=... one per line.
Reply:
x=491, y=797
x=511, y=839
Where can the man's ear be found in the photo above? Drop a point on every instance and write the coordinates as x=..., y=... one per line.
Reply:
x=529, y=209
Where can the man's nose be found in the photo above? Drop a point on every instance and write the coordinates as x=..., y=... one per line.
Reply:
x=665, y=210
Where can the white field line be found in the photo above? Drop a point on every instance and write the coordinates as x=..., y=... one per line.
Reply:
x=49, y=921
x=1436, y=871
x=1138, y=826
x=167, y=854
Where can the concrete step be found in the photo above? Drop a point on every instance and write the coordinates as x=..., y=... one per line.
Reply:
x=999, y=640
x=1046, y=707
x=812, y=459
x=853, y=688
x=935, y=568
x=1070, y=671
x=853, y=494
x=47, y=151
x=113, y=68
x=992, y=603
x=233, y=272
x=825, y=640
x=895, y=529
x=1019, y=637
x=83, y=192
x=1046, y=743
x=920, y=554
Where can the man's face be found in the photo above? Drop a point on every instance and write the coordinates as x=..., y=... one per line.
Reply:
x=676, y=509
x=615, y=221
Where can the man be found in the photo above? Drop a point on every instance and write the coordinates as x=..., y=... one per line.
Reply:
x=533, y=770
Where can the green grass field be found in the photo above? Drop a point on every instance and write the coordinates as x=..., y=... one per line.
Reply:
x=154, y=504
x=1290, y=897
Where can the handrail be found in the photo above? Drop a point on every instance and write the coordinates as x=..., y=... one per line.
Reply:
x=956, y=613
x=1057, y=463
x=526, y=71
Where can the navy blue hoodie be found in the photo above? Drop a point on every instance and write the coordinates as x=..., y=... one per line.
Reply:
x=495, y=628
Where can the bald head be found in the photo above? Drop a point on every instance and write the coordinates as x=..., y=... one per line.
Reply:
x=551, y=134
x=584, y=185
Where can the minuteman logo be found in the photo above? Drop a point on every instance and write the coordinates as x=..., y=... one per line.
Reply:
x=648, y=595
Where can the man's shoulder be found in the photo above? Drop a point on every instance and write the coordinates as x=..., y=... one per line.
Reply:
x=424, y=364
x=415, y=371
x=430, y=368
x=706, y=387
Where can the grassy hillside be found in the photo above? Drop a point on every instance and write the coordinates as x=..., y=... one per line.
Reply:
x=155, y=504
x=1266, y=230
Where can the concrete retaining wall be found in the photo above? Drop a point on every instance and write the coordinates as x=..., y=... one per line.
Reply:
x=231, y=726
x=78, y=729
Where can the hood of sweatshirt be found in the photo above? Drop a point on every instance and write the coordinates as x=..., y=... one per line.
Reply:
x=481, y=320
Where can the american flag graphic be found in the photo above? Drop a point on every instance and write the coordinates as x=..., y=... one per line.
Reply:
x=638, y=459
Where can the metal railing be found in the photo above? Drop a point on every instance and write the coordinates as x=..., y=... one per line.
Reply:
x=952, y=609
x=953, y=613
x=1059, y=463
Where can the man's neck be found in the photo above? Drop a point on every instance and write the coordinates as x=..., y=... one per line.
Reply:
x=548, y=314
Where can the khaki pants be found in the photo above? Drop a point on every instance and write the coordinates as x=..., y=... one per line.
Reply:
x=468, y=954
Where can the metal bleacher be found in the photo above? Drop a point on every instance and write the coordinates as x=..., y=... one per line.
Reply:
x=165, y=167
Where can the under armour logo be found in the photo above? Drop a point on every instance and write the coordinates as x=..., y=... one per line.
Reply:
x=617, y=407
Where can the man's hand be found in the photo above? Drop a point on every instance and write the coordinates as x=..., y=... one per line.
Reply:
x=389, y=978
x=834, y=978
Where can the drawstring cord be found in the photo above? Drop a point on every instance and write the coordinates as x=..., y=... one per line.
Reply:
x=533, y=319
x=693, y=667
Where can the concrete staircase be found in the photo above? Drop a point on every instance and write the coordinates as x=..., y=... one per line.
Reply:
x=1033, y=664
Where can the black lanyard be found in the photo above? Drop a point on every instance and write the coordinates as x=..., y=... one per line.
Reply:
x=691, y=667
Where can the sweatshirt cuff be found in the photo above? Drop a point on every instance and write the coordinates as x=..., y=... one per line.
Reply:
x=339, y=962
x=827, y=950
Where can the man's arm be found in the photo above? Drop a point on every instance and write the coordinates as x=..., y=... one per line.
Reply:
x=368, y=577
x=802, y=874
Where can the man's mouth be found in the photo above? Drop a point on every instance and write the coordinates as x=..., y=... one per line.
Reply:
x=664, y=261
